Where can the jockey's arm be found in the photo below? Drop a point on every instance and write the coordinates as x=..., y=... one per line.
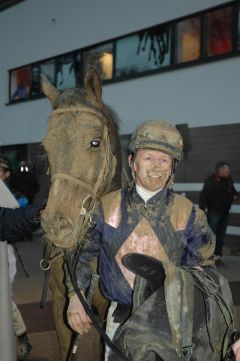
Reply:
x=76, y=314
x=77, y=317
x=200, y=241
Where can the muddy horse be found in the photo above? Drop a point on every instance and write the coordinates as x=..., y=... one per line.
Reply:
x=84, y=156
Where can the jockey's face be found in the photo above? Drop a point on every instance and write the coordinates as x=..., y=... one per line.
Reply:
x=152, y=169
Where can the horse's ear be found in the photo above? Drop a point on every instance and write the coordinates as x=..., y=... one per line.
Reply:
x=93, y=85
x=49, y=89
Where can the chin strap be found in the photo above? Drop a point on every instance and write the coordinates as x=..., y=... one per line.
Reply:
x=170, y=181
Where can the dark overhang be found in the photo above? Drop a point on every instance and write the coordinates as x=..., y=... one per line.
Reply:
x=4, y=4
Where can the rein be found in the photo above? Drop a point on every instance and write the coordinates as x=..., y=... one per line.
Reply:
x=71, y=263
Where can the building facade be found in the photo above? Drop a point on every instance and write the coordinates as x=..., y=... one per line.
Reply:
x=177, y=60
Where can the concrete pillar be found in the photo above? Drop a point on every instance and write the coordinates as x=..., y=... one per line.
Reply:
x=7, y=337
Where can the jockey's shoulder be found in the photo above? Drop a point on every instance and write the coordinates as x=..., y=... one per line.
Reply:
x=179, y=210
x=111, y=204
x=180, y=200
x=112, y=198
x=109, y=197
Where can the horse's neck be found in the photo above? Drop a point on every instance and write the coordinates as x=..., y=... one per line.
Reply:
x=116, y=182
x=120, y=180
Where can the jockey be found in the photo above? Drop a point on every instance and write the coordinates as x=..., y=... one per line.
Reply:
x=148, y=218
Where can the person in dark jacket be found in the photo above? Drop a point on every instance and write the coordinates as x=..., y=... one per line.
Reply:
x=6, y=174
x=6, y=170
x=216, y=198
x=16, y=223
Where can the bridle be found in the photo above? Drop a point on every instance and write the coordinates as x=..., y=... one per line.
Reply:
x=103, y=182
x=101, y=186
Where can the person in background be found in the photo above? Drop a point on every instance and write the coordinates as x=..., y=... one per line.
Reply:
x=24, y=184
x=18, y=322
x=21, y=91
x=15, y=223
x=6, y=170
x=216, y=198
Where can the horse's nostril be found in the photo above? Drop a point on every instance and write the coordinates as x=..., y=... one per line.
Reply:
x=63, y=223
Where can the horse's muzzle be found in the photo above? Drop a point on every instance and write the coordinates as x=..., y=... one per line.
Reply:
x=59, y=230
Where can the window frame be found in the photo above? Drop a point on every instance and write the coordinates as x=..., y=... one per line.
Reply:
x=173, y=65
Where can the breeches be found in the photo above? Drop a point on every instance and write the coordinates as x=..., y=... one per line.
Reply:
x=18, y=323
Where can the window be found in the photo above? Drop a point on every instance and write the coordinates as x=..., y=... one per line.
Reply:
x=188, y=40
x=219, y=31
x=77, y=66
x=197, y=38
x=65, y=72
x=5, y=4
x=147, y=50
x=20, y=84
x=35, y=81
x=101, y=58
x=48, y=68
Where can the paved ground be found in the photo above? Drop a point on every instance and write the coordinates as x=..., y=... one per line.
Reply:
x=27, y=294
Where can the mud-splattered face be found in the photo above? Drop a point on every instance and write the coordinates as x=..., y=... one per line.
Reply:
x=152, y=169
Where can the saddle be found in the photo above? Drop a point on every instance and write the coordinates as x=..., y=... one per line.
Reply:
x=180, y=284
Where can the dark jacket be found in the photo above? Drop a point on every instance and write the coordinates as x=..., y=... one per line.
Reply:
x=180, y=228
x=217, y=194
x=17, y=223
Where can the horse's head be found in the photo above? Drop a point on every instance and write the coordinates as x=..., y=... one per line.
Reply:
x=83, y=150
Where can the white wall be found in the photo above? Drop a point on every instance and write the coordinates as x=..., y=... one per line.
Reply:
x=200, y=95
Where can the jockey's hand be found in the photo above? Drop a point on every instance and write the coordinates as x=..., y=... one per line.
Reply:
x=77, y=317
x=236, y=350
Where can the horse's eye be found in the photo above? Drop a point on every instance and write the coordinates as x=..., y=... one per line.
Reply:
x=95, y=143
